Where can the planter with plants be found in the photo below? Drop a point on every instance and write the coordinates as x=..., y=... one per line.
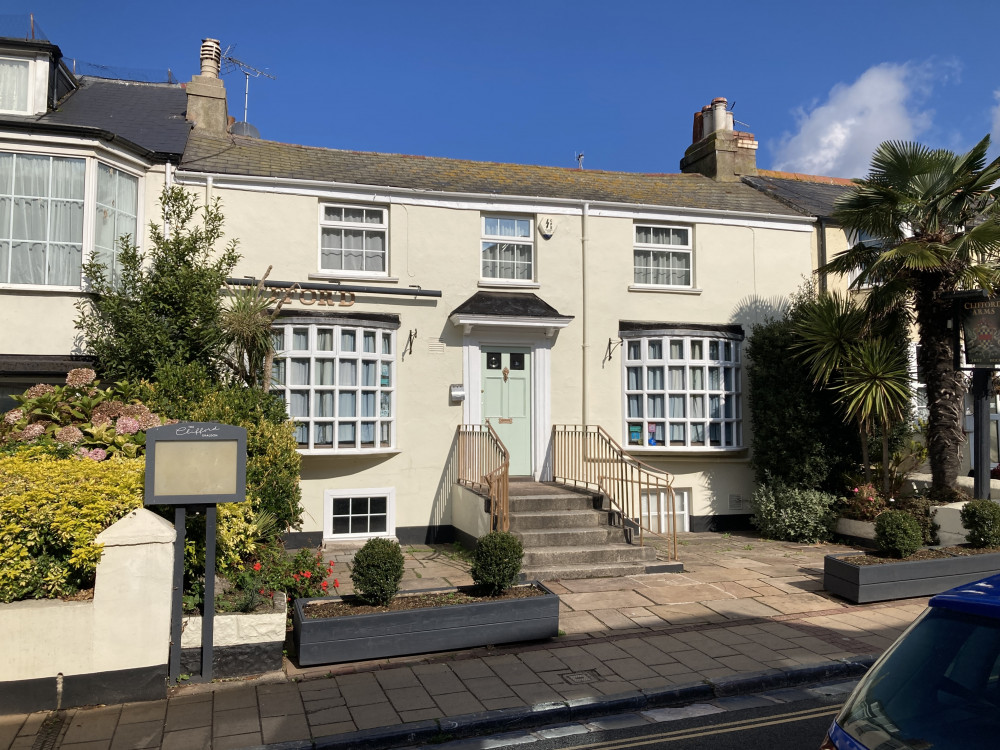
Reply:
x=902, y=568
x=375, y=623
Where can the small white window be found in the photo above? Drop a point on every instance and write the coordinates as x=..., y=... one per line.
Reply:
x=359, y=514
x=662, y=256
x=353, y=240
x=15, y=81
x=338, y=383
x=682, y=392
x=507, y=249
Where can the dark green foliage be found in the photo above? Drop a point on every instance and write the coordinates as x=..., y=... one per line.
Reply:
x=920, y=507
x=163, y=306
x=793, y=514
x=982, y=519
x=377, y=570
x=799, y=436
x=496, y=562
x=897, y=533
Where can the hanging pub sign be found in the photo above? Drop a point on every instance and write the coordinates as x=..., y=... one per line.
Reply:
x=981, y=328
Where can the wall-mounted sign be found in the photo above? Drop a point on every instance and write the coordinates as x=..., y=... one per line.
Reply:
x=981, y=328
x=309, y=296
x=195, y=463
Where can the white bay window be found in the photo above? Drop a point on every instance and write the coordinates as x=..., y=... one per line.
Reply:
x=338, y=385
x=682, y=389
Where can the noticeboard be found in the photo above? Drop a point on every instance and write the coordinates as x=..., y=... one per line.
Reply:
x=981, y=330
x=195, y=463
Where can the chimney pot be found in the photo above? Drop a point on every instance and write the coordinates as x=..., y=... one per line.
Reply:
x=211, y=57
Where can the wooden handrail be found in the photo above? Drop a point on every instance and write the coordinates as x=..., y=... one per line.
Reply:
x=586, y=455
x=484, y=465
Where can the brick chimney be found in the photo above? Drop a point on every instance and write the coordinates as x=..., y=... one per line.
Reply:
x=718, y=151
x=206, y=94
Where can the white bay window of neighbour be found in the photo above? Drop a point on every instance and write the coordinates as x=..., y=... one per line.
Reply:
x=353, y=240
x=662, y=256
x=683, y=392
x=338, y=384
x=44, y=201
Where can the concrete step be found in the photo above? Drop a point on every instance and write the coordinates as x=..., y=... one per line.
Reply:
x=572, y=571
x=607, y=553
x=563, y=519
x=565, y=501
x=578, y=537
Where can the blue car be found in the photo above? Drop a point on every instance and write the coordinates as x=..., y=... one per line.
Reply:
x=938, y=686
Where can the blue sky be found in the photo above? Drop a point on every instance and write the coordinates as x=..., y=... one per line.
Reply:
x=820, y=84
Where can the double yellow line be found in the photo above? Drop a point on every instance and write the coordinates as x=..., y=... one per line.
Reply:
x=726, y=728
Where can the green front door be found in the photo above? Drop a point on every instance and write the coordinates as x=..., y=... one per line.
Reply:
x=507, y=402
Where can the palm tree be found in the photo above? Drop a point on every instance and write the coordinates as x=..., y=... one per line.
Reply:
x=934, y=217
x=861, y=358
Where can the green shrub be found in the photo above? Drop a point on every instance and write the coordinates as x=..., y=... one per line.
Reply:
x=377, y=570
x=51, y=509
x=982, y=519
x=792, y=514
x=920, y=507
x=496, y=562
x=863, y=503
x=897, y=533
x=272, y=569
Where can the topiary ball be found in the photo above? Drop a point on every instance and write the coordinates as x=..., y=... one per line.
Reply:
x=377, y=570
x=496, y=562
x=897, y=533
x=982, y=519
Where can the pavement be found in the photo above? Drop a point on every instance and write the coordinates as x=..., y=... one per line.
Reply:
x=746, y=616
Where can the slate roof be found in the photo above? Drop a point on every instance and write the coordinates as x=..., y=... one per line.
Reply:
x=509, y=305
x=149, y=115
x=236, y=155
x=811, y=194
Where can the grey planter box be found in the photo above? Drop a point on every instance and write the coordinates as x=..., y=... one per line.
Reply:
x=418, y=631
x=900, y=580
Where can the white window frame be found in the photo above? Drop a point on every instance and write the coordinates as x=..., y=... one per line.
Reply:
x=682, y=510
x=29, y=104
x=487, y=238
x=390, y=511
x=686, y=249
x=325, y=402
x=364, y=226
x=90, y=206
x=662, y=412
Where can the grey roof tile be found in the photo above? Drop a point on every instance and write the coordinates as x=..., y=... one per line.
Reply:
x=811, y=194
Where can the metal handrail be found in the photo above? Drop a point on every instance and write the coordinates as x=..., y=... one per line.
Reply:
x=586, y=455
x=484, y=465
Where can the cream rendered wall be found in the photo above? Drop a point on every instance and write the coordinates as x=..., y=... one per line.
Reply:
x=739, y=272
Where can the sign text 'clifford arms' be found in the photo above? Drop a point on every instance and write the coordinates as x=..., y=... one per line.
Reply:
x=981, y=326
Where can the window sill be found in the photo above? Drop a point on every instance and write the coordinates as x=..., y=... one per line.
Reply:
x=663, y=289
x=498, y=284
x=680, y=451
x=349, y=452
x=41, y=288
x=348, y=278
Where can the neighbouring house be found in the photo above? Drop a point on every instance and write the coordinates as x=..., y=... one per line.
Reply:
x=82, y=162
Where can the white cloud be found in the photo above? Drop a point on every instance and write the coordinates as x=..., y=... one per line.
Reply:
x=837, y=137
x=995, y=123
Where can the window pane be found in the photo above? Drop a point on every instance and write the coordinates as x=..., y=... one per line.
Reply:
x=333, y=213
x=676, y=349
x=697, y=349
x=697, y=434
x=278, y=372
x=323, y=373
x=697, y=378
x=368, y=404
x=654, y=378
x=369, y=339
x=387, y=343
x=323, y=435
x=635, y=405
x=386, y=377
x=300, y=372
x=14, y=81
x=324, y=404
x=298, y=404
x=348, y=404
x=655, y=407
x=655, y=349
x=677, y=406
x=300, y=339
x=377, y=525
x=301, y=434
x=491, y=226
x=345, y=434
x=676, y=378
x=633, y=350
x=368, y=373
x=385, y=405
x=347, y=341
x=324, y=339
x=348, y=372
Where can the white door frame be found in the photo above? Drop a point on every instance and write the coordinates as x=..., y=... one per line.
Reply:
x=540, y=345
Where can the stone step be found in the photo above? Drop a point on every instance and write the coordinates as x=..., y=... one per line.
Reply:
x=578, y=537
x=572, y=571
x=564, y=519
x=567, y=501
x=607, y=553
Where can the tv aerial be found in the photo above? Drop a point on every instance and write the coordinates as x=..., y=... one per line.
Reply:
x=231, y=64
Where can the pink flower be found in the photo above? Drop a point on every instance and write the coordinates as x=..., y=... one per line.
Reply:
x=39, y=390
x=80, y=377
x=13, y=416
x=98, y=454
x=127, y=426
x=69, y=434
x=32, y=432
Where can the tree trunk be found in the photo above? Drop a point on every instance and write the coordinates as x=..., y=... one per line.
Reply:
x=885, y=459
x=946, y=387
x=865, y=459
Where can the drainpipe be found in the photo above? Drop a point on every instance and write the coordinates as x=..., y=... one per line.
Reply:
x=821, y=254
x=584, y=239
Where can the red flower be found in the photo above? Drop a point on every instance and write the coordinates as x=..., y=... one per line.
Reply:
x=263, y=591
x=336, y=583
x=256, y=566
x=324, y=585
x=307, y=574
x=295, y=576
